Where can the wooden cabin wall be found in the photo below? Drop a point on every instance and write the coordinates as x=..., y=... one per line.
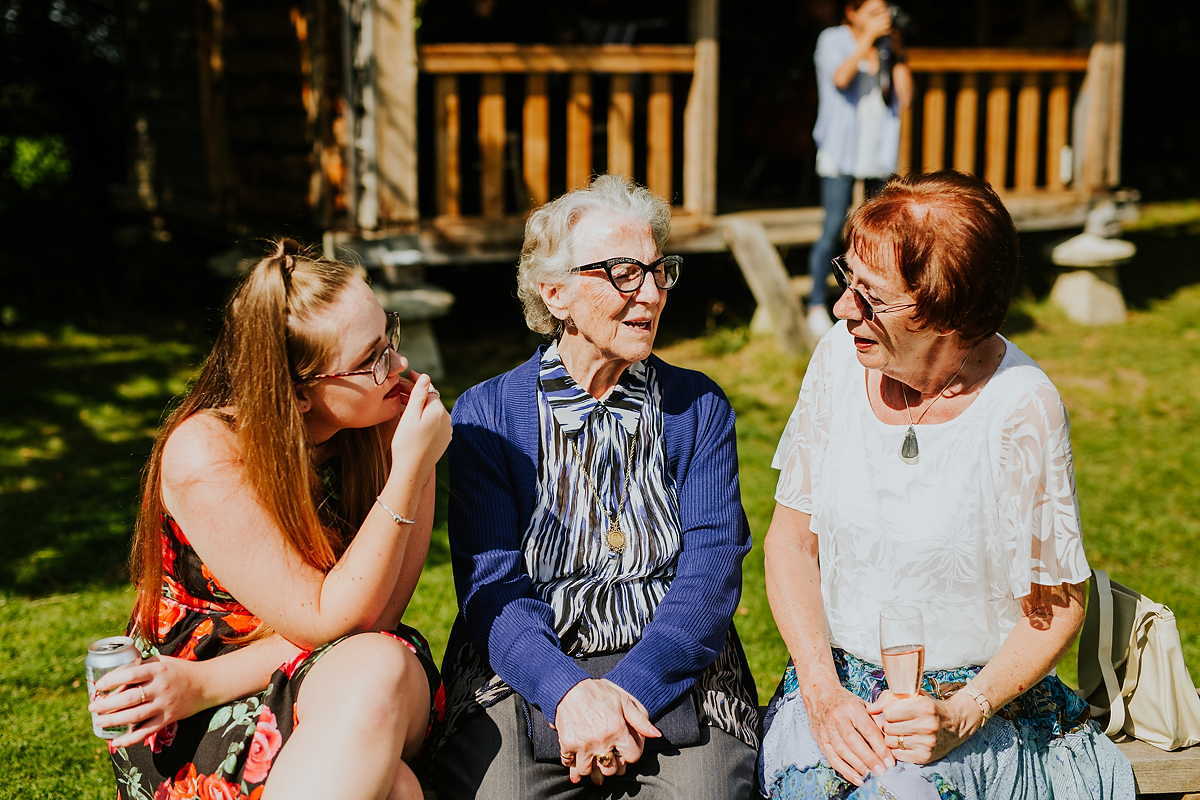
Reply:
x=236, y=112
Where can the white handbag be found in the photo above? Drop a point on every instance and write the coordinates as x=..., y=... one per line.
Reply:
x=1131, y=668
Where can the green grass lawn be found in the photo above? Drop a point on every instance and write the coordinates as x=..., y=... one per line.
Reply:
x=76, y=421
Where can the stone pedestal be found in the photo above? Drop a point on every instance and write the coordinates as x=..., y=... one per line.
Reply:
x=418, y=306
x=1088, y=289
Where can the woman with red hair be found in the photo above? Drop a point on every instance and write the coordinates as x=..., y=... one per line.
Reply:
x=927, y=465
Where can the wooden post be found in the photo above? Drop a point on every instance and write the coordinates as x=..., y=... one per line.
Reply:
x=658, y=137
x=1116, y=90
x=1098, y=85
x=491, y=144
x=210, y=35
x=620, y=126
x=446, y=119
x=700, y=113
x=535, y=139
x=904, y=157
x=1028, y=101
x=933, y=137
x=966, y=115
x=368, y=164
x=1057, y=124
x=579, y=131
x=768, y=281
x=395, y=52
x=997, y=131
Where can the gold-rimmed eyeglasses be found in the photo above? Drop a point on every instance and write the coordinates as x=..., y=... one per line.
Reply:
x=381, y=367
x=844, y=275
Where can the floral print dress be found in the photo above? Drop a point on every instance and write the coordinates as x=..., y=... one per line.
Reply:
x=225, y=752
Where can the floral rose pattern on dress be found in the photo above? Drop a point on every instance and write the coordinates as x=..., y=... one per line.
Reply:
x=226, y=752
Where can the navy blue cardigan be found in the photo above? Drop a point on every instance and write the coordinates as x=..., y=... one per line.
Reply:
x=493, y=479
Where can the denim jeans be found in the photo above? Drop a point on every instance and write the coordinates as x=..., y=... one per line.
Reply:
x=835, y=200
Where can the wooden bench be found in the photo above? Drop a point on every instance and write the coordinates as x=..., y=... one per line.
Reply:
x=1161, y=775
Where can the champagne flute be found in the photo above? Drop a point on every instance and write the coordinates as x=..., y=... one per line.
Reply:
x=902, y=647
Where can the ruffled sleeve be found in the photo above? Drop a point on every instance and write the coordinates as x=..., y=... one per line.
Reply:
x=807, y=429
x=1039, y=509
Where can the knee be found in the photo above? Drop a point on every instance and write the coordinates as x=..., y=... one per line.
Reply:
x=377, y=671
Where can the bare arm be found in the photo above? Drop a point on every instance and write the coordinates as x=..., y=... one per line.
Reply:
x=415, y=552
x=205, y=487
x=847, y=71
x=1051, y=617
x=163, y=690
x=847, y=735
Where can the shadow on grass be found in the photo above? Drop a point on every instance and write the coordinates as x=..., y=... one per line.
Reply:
x=76, y=431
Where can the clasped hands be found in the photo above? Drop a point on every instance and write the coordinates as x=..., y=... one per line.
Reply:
x=859, y=738
x=601, y=730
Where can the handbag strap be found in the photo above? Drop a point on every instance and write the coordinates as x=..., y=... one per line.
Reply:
x=1116, y=702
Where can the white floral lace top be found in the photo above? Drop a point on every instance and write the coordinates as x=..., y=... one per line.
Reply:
x=989, y=509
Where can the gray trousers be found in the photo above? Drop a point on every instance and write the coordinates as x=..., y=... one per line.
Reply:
x=491, y=758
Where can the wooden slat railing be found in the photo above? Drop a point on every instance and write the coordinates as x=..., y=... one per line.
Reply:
x=453, y=64
x=1025, y=160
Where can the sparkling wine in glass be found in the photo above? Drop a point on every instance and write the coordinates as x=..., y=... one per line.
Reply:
x=902, y=647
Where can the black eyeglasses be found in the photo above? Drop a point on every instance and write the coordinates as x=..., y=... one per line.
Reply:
x=843, y=273
x=381, y=367
x=628, y=274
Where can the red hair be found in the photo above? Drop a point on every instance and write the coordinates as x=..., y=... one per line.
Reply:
x=953, y=243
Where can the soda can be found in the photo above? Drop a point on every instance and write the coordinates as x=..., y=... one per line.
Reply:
x=105, y=655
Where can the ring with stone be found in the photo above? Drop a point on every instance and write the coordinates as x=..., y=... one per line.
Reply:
x=605, y=760
x=899, y=742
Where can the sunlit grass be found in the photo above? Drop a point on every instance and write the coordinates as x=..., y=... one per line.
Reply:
x=76, y=426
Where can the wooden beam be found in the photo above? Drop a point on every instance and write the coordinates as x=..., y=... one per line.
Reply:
x=981, y=59
x=491, y=145
x=966, y=117
x=1058, y=119
x=658, y=137
x=996, y=164
x=535, y=140
x=933, y=134
x=768, y=280
x=620, y=126
x=503, y=57
x=700, y=112
x=1116, y=91
x=446, y=137
x=579, y=131
x=904, y=156
x=1028, y=107
x=396, y=109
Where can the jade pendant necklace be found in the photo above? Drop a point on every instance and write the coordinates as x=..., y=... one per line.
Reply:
x=910, y=451
x=614, y=537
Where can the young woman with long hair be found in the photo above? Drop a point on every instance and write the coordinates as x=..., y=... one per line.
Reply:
x=284, y=521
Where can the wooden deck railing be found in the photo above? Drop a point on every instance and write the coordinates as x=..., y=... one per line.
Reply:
x=450, y=64
x=947, y=117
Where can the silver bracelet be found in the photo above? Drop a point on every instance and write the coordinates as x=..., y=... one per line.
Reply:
x=396, y=518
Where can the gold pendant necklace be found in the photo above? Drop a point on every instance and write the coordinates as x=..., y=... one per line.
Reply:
x=614, y=537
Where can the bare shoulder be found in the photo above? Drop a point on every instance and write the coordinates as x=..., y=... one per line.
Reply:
x=203, y=446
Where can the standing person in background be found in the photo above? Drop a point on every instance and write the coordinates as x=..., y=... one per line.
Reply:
x=862, y=86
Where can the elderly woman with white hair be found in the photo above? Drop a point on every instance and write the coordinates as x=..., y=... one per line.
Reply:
x=597, y=536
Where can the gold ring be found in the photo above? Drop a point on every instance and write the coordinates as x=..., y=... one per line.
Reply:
x=568, y=759
x=142, y=689
x=605, y=759
x=899, y=742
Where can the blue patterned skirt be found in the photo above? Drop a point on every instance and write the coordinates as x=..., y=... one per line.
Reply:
x=1041, y=745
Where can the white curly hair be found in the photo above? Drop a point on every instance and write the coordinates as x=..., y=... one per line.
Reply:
x=546, y=253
